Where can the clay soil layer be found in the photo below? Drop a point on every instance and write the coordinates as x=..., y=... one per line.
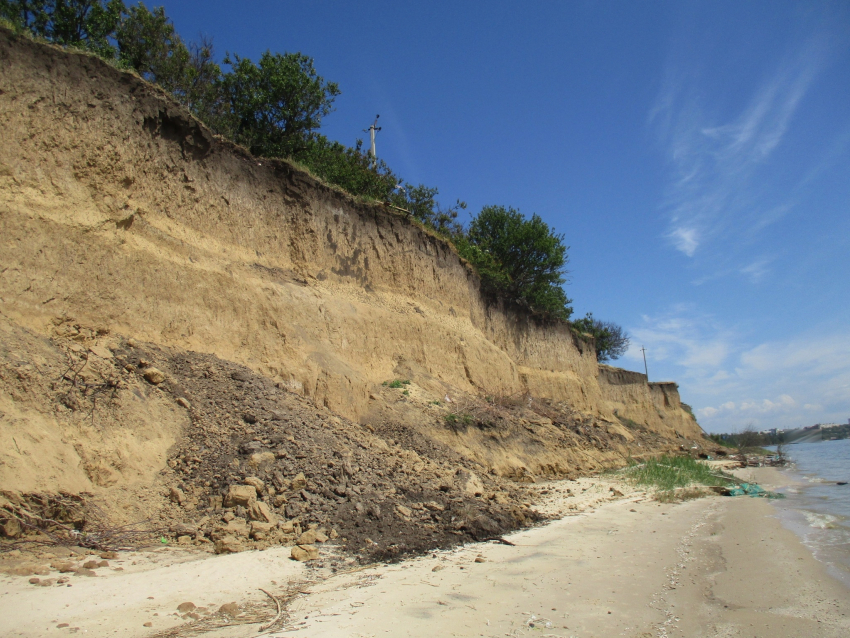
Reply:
x=630, y=567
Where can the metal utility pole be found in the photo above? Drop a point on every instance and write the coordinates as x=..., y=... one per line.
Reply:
x=372, y=130
x=645, y=369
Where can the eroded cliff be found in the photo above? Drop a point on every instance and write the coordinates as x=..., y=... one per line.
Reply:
x=125, y=218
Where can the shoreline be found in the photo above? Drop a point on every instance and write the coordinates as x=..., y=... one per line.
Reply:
x=631, y=566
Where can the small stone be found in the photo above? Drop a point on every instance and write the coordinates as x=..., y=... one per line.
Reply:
x=90, y=564
x=480, y=559
x=186, y=607
x=468, y=483
x=260, y=531
x=101, y=351
x=185, y=403
x=109, y=555
x=249, y=418
x=35, y=580
x=85, y=572
x=405, y=512
x=437, y=568
x=310, y=537
x=262, y=512
x=228, y=545
x=237, y=527
x=63, y=567
x=154, y=376
x=299, y=482
x=61, y=625
x=231, y=609
x=183, y=529
x=147, y=624
x=10, y=528
x=304, y=553
x=176, y=495
x=242, y=495
x=257, y=483
x=261, y=458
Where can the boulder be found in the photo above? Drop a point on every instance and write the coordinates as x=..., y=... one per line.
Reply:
x=243, y=495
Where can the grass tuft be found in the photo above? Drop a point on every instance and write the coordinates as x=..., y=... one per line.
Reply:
x=670, y=473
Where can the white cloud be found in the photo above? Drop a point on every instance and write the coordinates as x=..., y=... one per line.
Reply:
x=685, y=240
x=785, y=383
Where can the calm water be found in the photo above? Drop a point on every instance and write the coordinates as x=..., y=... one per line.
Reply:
x=818, y=509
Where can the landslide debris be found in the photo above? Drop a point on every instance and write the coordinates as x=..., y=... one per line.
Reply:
x=255, y=465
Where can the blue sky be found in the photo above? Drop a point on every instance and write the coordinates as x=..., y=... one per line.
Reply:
x=695, y=155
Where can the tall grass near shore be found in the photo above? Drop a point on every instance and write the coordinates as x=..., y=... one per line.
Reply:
x=676, y=477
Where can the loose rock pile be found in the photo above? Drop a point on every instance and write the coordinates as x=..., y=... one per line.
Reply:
x=262, y=466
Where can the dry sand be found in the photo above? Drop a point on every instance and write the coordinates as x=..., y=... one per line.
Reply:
x=712, y=567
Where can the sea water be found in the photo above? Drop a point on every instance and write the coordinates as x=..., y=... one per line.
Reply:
x=815, y=506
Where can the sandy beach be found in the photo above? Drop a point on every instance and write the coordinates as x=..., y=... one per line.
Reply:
x=610, y=566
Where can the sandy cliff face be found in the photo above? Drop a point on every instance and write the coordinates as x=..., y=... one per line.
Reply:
x=123, y=216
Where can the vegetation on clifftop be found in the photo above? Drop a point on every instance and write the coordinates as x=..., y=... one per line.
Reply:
x=275, y=107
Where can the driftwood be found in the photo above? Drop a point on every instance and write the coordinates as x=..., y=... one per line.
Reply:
x=279, y=611
x=68, y=520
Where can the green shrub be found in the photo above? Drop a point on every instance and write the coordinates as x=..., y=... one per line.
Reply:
x=520, y=259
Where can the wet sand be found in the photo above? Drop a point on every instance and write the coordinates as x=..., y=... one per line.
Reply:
x=716, y=566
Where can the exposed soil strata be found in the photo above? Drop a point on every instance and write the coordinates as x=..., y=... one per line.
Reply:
x=283, y=317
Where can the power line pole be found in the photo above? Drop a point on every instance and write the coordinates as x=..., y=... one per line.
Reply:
x=372, y=130
x=645, y=369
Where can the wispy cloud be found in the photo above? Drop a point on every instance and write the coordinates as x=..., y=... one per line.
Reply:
x=756, y=270
x=712, y=193
x=685, y=338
